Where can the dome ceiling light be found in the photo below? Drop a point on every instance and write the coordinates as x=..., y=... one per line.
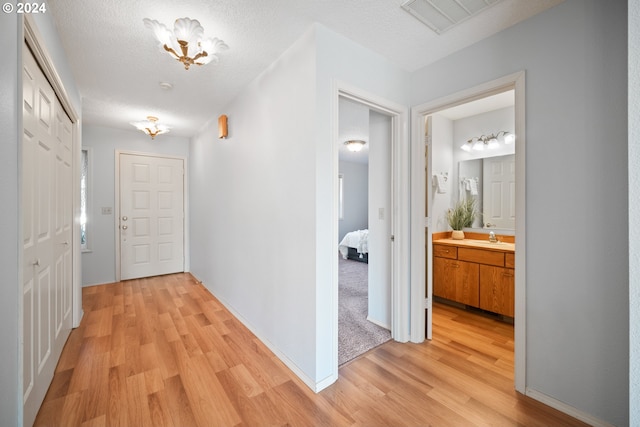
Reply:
x=355, y=144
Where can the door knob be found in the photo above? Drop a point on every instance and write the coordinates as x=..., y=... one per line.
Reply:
x=36, y=262
x=124, y=218
x=124, y=227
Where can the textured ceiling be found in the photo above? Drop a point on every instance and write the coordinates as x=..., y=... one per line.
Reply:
x=118, y=67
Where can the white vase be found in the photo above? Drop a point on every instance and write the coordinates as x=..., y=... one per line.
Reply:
x=457, y=234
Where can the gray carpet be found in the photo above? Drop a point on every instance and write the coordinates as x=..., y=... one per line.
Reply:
x=356, y=334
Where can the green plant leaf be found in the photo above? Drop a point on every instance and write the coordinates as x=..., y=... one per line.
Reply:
x=462, y=214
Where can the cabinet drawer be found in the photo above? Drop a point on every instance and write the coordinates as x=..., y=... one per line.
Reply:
x=445, y=251
x=481, y=256
x=509, y=260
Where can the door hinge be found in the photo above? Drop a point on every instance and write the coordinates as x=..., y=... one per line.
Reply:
x=393, y=238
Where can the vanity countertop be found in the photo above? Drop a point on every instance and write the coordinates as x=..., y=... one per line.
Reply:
x=478, y=244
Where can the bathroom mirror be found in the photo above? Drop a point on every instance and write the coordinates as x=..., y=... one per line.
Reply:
x=491, y=181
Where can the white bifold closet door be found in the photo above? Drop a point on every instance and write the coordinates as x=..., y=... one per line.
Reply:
x=47, y=231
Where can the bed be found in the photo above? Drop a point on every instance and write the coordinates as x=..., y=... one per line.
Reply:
x=355, y=246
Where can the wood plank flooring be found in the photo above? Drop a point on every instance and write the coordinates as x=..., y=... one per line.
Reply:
x=164, y=352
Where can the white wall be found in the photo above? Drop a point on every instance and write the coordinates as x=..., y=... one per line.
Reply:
x=577, y=275
x=261, y=244
x=379, y=271
x=253, y=208
x=99, y=265
x=441, y=163
x=355, y=188
x=10, y=111
x=634, y=210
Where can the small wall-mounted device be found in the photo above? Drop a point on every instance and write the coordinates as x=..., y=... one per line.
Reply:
x=222, y=127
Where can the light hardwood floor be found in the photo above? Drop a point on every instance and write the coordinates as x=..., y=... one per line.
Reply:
x=164, y=352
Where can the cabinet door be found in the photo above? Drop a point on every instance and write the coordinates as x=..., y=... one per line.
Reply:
x=456, y=280
x=497, y=289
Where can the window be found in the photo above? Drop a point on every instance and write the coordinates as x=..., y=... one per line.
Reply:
x=84, y=198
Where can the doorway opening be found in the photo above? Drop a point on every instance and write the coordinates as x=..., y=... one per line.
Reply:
x=364, y=295
x=437, y=152
x=399, y=241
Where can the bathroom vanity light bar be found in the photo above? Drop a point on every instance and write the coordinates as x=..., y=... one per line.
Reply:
x=479, y=143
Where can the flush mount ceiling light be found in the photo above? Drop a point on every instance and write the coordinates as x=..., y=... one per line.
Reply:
x=186, y=43
x=355, y=144
x=151, y=127
x=442, y=15
x=479, y=143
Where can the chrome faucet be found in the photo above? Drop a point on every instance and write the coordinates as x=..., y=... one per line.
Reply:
x=492, y=237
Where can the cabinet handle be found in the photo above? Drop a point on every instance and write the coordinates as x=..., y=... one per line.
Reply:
x=507, y=274
x=455, y=265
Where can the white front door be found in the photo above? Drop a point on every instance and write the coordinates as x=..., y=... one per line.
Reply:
x=47, y=223
x=151, y=217
x=499, y=204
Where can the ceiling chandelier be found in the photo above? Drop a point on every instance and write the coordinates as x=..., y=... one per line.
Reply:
x=186, y=43
x=355, y=144
x=492, y=141
x=151, y=127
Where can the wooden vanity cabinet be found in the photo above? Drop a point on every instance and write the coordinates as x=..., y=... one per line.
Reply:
x=497, y=289
x=474, y=276
x=456, y=280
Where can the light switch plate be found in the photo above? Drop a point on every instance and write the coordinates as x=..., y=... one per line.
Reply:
x=107, y=210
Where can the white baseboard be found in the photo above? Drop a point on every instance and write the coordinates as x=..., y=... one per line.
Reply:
x=309, y=382
x=567, y=409
x=382, y=325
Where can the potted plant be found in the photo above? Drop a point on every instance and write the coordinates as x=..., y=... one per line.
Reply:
x=460, y=216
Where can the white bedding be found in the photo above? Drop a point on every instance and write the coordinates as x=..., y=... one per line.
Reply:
x=358, y=239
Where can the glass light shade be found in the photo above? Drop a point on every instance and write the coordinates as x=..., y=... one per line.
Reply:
x=509, y=138
x=466, y=146
x=355, y=145
x=151, y=127
x=492, y=144
x=478, y=145
x=186, y=43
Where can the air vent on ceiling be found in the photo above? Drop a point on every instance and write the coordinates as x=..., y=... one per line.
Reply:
x=441, y=15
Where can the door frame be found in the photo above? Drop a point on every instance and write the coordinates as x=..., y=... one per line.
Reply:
x=421, y=296
x=400, y=292
x=185, y=207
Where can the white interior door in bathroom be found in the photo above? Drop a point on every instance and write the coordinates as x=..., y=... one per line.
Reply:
x=499, y=204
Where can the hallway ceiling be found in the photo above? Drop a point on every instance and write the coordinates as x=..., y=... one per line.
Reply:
x=118, y=67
